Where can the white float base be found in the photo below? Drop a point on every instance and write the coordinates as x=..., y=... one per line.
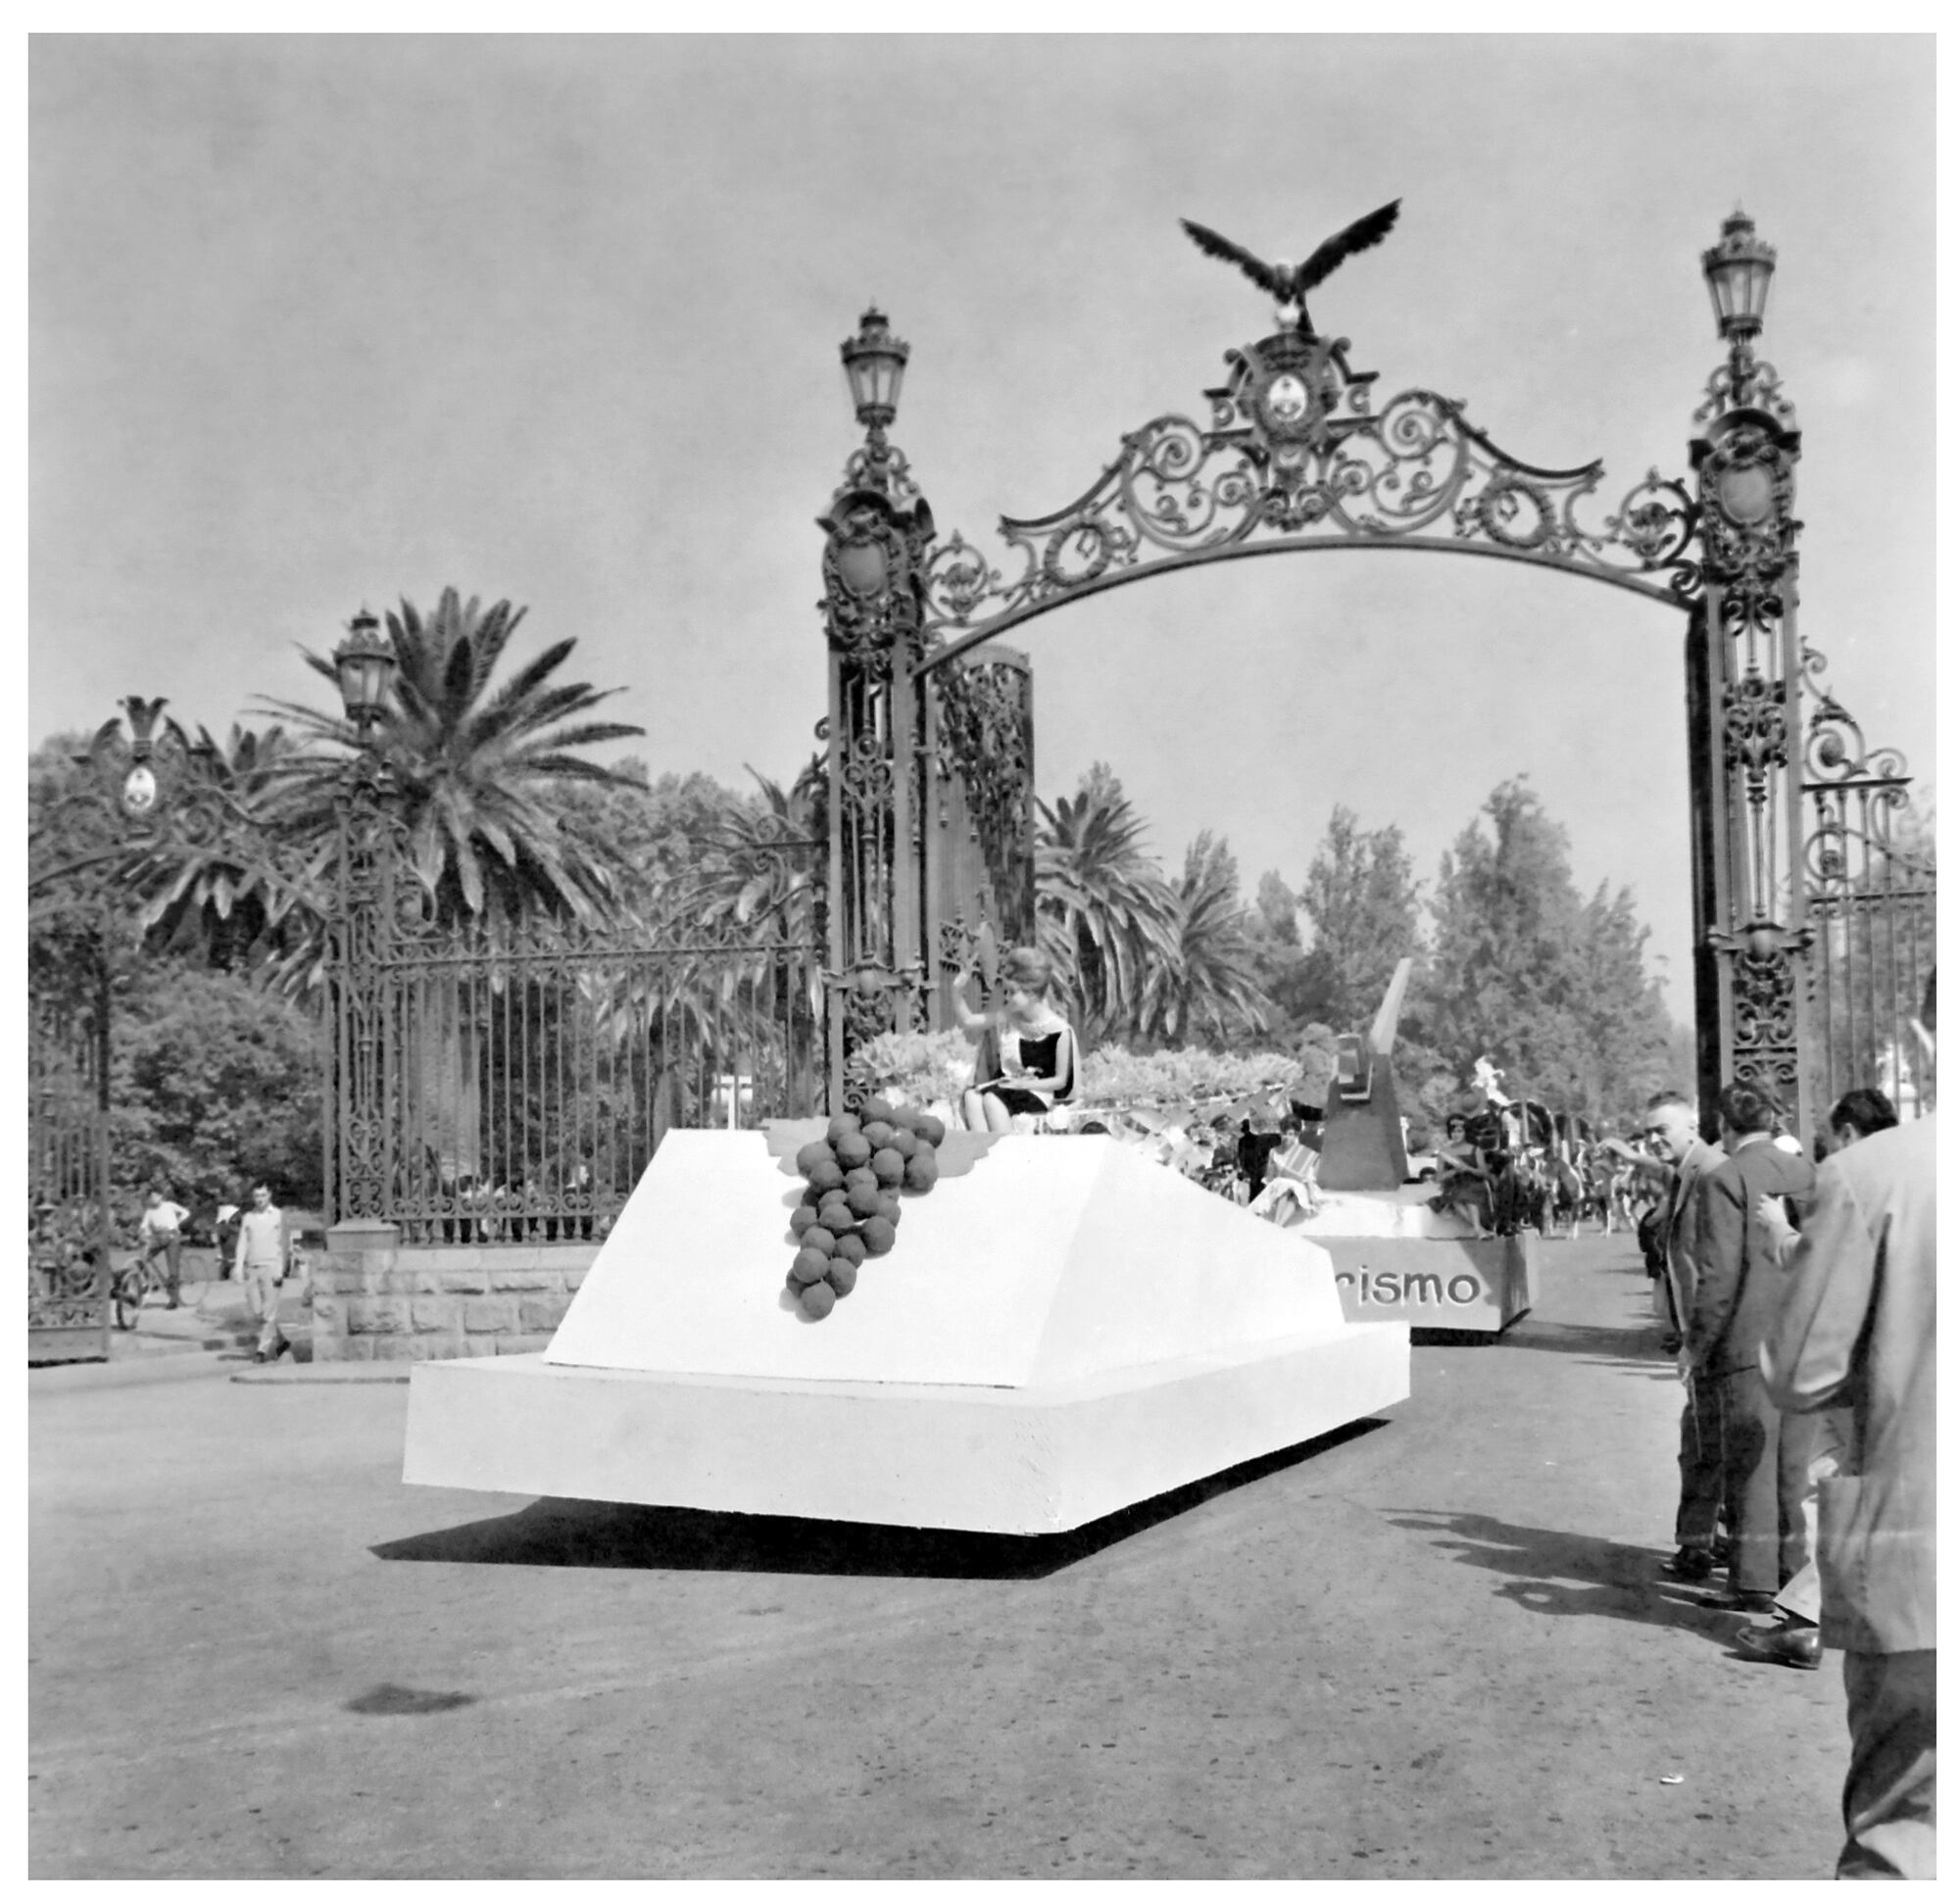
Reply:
x=1062, y=1328
x=1023, y=1461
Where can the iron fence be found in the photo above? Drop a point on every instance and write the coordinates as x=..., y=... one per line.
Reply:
x=513, y=1096
x=69, y=1230
x=1871, y=898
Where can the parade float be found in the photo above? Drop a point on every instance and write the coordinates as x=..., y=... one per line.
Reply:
x=1042, y=1332
x=1399, y=1251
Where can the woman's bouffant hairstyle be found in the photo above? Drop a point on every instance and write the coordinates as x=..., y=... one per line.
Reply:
x=1027, y=969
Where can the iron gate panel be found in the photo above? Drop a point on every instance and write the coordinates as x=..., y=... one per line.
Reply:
x=978, y=806
x=1871, y=886
x=68, y=1224
x=513, y=1093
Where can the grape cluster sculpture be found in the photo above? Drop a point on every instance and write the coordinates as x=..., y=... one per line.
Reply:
x=850, y=1212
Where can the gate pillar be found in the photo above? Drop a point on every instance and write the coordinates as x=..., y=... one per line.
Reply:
x=1744, y=667
x=878, y=533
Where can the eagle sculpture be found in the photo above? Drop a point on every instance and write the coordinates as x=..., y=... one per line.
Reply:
x=1289, y=283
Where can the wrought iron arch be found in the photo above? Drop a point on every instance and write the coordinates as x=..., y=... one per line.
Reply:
x=1298, y=454
x=1297, y=457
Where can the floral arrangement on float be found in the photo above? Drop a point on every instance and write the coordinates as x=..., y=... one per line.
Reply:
x=935, y=1070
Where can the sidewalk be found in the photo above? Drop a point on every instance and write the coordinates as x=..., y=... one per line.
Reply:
x=213, y=1330
x=1434, y=1646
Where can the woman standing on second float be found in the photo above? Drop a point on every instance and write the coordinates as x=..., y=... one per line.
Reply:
x=1027, y=1059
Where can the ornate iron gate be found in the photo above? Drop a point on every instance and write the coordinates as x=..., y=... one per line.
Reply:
x=1869, y=879
x=484, y=1091
x=70, y=1231
x=976, y=768
x=1789, y=824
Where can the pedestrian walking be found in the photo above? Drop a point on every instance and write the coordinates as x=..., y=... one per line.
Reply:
x=1739, y=1287
x=1858, y=1326
x=261, y=1268
x=161, y=1230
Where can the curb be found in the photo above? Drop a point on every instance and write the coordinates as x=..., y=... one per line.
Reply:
x=152, y=1368
x=335, y=1372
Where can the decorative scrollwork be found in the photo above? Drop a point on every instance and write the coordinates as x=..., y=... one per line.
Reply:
x=1752, y=384
x=1298, y=449
x=1748, y=495
x=1834, y=748
x=1753, y=720
x=1765, y=962
x=873, y=998
x=1657, y=522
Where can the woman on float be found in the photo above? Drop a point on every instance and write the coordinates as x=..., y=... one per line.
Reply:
x=1026, y=1058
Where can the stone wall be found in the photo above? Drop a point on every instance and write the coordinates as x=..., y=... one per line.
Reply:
x=374, y=1297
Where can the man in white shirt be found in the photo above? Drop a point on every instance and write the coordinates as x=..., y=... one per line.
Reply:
x=162, y=1232
x=262, y=1266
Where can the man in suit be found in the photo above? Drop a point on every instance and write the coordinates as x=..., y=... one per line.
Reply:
x=1796, y=1643
x=1858, y=1324
x=1739, y=1283
x=1671, y=1137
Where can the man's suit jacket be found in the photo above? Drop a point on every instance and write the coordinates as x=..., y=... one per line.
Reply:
x=1739, y=1278
x=1858, y=1324
x=1683, y=1229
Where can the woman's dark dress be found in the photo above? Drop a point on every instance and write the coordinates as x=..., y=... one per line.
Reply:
x=1040, y=1056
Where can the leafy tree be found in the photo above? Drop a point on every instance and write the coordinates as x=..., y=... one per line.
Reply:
x=1361, y=897
x=1103, y=908
x=1279, y=959
x=1555, y=991
x=1211, y=991
x=214, y=1085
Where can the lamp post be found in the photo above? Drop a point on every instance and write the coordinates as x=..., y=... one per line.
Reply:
x=874, y=363
x=1739, y=268
x=363, y=924
x=877, y=533
x=366, y=666
x=1746, y=728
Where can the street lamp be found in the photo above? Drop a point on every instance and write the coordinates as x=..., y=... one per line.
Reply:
x=366, y=664
x=874, y=360
x=1739, y=270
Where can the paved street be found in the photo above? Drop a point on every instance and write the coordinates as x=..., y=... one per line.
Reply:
x=1434, y=1647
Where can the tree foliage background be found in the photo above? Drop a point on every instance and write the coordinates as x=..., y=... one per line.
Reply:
x=216, y=1074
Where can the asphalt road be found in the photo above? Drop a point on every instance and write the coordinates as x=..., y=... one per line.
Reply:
x=1435, y=1647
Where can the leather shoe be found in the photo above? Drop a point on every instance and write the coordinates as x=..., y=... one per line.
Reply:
x=1793, y=1645
x=1689, y=1566
x=1754, y=1602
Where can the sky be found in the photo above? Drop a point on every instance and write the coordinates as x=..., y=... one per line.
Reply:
x=324, y=322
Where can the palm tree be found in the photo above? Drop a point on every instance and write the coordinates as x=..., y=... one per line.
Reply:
x=1103, y=913
x=477, y=766
x=1212, y=989
x=260, y=885
x=474, y=763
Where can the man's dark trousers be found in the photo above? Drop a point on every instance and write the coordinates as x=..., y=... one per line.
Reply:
x=1763, y=1454
x=1700, y=1465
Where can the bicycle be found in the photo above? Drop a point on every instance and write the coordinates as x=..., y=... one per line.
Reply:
x=136, y=1281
